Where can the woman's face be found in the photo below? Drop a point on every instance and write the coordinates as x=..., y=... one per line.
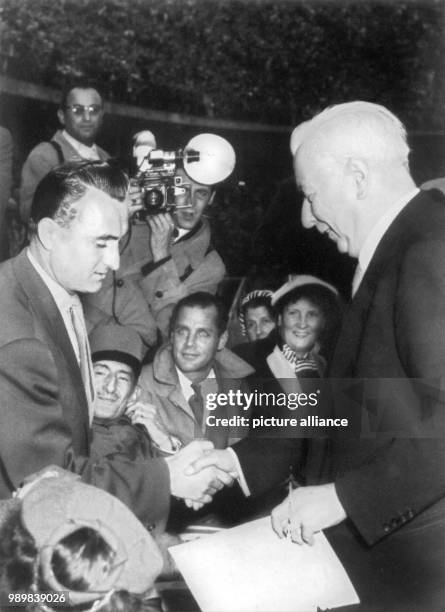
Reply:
x=300, y=325
x=258, y=322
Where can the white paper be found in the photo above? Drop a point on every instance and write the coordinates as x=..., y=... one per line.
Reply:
x=249, y=569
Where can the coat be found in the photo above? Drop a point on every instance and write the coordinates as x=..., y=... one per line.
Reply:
x=160, y=386
x=389, y=467
x=142, y=289
x=43, y=410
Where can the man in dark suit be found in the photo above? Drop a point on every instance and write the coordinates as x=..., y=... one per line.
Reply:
x=382, y=492
x=78, y=214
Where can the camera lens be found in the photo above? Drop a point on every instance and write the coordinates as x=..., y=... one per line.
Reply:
x=154, y=198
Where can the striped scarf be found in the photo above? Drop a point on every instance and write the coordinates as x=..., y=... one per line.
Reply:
x=304, y=367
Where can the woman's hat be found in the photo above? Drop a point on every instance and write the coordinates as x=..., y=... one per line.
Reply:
x=300, y=280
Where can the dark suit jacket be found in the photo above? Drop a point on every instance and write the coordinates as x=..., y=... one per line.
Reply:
x=43, y=408
x=392, y=477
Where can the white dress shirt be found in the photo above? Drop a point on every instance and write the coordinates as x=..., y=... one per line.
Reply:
x=84, y=151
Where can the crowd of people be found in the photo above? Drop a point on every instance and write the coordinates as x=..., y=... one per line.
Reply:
x=116, y=349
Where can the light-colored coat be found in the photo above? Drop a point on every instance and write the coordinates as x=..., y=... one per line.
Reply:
x=160, y=386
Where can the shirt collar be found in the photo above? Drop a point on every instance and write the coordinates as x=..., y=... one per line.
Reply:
x=376, y=234
x=62, y=298
x=84, y=151
x=181, y=233
x=186, y=384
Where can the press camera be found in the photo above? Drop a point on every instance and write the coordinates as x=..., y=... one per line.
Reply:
x=207, y=159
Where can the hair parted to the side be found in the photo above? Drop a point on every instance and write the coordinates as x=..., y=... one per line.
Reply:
x=73, y=562
x=352, y=129
x=64, y=185
x=202, y=299
x=77, y=84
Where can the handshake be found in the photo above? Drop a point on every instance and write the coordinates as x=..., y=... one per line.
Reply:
x=198, y=471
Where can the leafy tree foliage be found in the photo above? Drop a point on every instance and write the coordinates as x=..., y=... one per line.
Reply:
x=260, y=60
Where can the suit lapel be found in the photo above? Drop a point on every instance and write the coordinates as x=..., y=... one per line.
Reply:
x=354, y=320
x=49, y=315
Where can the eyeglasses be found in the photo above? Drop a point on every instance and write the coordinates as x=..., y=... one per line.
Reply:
x=79, y=109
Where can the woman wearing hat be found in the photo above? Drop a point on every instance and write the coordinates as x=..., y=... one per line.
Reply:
x=308, y=314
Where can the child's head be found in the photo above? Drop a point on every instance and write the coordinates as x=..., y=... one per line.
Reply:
x=66, y=536
x=256, y=315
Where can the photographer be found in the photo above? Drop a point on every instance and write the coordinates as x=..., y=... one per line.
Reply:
x=164, y=257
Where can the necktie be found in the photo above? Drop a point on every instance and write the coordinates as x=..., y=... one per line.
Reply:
x=85, y=365
x=196, y=403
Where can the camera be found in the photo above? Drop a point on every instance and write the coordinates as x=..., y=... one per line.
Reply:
x=207, y=159
x=158, y=181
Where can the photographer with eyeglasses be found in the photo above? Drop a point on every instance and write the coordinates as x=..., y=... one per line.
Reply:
x=81, y=113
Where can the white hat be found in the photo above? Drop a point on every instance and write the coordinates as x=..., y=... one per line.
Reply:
x=299, y=280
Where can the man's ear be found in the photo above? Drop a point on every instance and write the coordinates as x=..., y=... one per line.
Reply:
x=360, y=174
x=61, y=116
x=223, y=340
x=47, y=229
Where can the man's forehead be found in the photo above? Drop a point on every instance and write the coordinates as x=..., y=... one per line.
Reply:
x=114, y=366
x=203, y=316
x=98, y=211
x=305, y=169
x=85, y=96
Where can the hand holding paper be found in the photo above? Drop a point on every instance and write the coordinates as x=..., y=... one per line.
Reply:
x=311, y=509
x=248, y=568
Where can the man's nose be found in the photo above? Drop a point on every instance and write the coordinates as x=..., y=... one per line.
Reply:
x=111, y=255
x=307, y=218
x=86, y=113
x=110, y=383
x=188, y=199
x=190, y=340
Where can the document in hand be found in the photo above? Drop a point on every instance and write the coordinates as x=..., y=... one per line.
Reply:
x=249, y=569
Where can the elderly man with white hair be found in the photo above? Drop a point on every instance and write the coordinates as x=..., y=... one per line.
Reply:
x=382, y=490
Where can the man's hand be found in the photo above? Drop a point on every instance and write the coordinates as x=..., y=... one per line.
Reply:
x=196, y=486
x=134, y=199
x=222, y=459
x=306, y=511
x=146, y=414
x=161, y=233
